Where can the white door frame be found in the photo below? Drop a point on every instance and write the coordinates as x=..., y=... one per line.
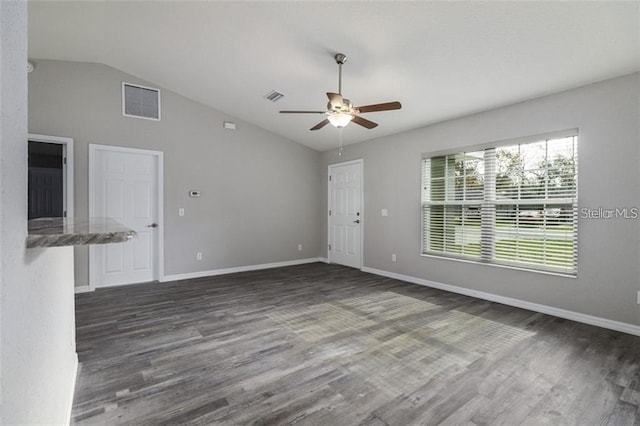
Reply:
x=158, y=274
x=330, y=207
x=67, y=169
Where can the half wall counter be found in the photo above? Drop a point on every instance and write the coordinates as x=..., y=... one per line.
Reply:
x=61, y=231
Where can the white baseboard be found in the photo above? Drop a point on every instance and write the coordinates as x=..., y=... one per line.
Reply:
x=73, y=389
x=557, y=312
x=323, y=260
x=236, y=269
x=82, y=289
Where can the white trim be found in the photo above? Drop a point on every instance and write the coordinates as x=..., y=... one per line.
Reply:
x=90, y=182
x=329, y=207
x=82, y=289
x=67, y=176
x=155, y=89
x=224, y=271
x=536, y=307
x=323, y=260
x=75, y=374
x=158, y=274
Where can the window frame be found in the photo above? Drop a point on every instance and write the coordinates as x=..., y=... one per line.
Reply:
x=488, y=224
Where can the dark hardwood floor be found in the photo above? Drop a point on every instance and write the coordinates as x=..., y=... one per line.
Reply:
x=327, y=345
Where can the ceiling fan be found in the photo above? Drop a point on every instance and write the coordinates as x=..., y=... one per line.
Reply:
x=340, y=111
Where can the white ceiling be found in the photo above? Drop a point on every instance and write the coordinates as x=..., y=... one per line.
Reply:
x=440, y=59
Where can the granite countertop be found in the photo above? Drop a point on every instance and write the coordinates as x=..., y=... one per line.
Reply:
x=59, y=231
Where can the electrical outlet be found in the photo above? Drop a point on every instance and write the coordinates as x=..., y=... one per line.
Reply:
x=394, y=258
x=198, y=256
x=180, y=212
x=299, y=247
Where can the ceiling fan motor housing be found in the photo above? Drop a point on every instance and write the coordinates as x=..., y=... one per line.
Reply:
x=346, y=107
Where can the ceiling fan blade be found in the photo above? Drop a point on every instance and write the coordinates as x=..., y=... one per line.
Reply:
x=302, y=112
x=320, y=125
x=335, y=99
x=379, y=107
x=364, y=122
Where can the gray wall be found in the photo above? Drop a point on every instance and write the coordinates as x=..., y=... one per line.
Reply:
x=37, y=330
x=259, y=191
x=263, y=195
x=607, y=116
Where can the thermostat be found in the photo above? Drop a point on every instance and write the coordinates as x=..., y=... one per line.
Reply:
x=194, y=194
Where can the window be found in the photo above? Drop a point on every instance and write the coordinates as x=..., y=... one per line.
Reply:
x=511, y=203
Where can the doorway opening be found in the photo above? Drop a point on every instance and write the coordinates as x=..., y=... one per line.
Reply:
x=50, y=176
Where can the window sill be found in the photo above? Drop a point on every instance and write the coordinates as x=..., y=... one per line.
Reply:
x=517, y=268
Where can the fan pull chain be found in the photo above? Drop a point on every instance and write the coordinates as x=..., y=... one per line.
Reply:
x=340, y=147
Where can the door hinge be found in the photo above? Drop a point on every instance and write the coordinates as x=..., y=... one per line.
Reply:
x=64, y=160
x=64, y=213
x=329, y=178
x=329, y=212
x=329, y=247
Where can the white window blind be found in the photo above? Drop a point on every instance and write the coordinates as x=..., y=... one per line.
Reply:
x=511, y=203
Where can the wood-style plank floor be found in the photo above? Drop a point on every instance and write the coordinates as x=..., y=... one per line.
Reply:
x=323, y=344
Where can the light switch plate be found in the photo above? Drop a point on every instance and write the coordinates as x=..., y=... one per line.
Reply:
x=384, y=212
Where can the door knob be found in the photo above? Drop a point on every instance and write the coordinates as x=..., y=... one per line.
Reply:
x=153, y=225
x=356, y=221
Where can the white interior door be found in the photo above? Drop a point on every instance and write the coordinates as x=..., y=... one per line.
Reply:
x=345, y=214
x=124, y=187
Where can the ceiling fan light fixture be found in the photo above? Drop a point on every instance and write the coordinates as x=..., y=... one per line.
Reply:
x=339, y=119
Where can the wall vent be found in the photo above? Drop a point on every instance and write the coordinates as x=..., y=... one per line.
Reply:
x=274, y=96
x=140, y=101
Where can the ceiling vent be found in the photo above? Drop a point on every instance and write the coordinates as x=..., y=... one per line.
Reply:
x=274, y=96
x=140, y=101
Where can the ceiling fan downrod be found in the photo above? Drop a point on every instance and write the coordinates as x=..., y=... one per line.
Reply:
x=341, y=58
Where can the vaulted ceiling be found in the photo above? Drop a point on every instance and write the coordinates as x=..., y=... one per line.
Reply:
x=440, y=59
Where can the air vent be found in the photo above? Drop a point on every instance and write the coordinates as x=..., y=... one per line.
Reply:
x=274, y=96
x=140, y=101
